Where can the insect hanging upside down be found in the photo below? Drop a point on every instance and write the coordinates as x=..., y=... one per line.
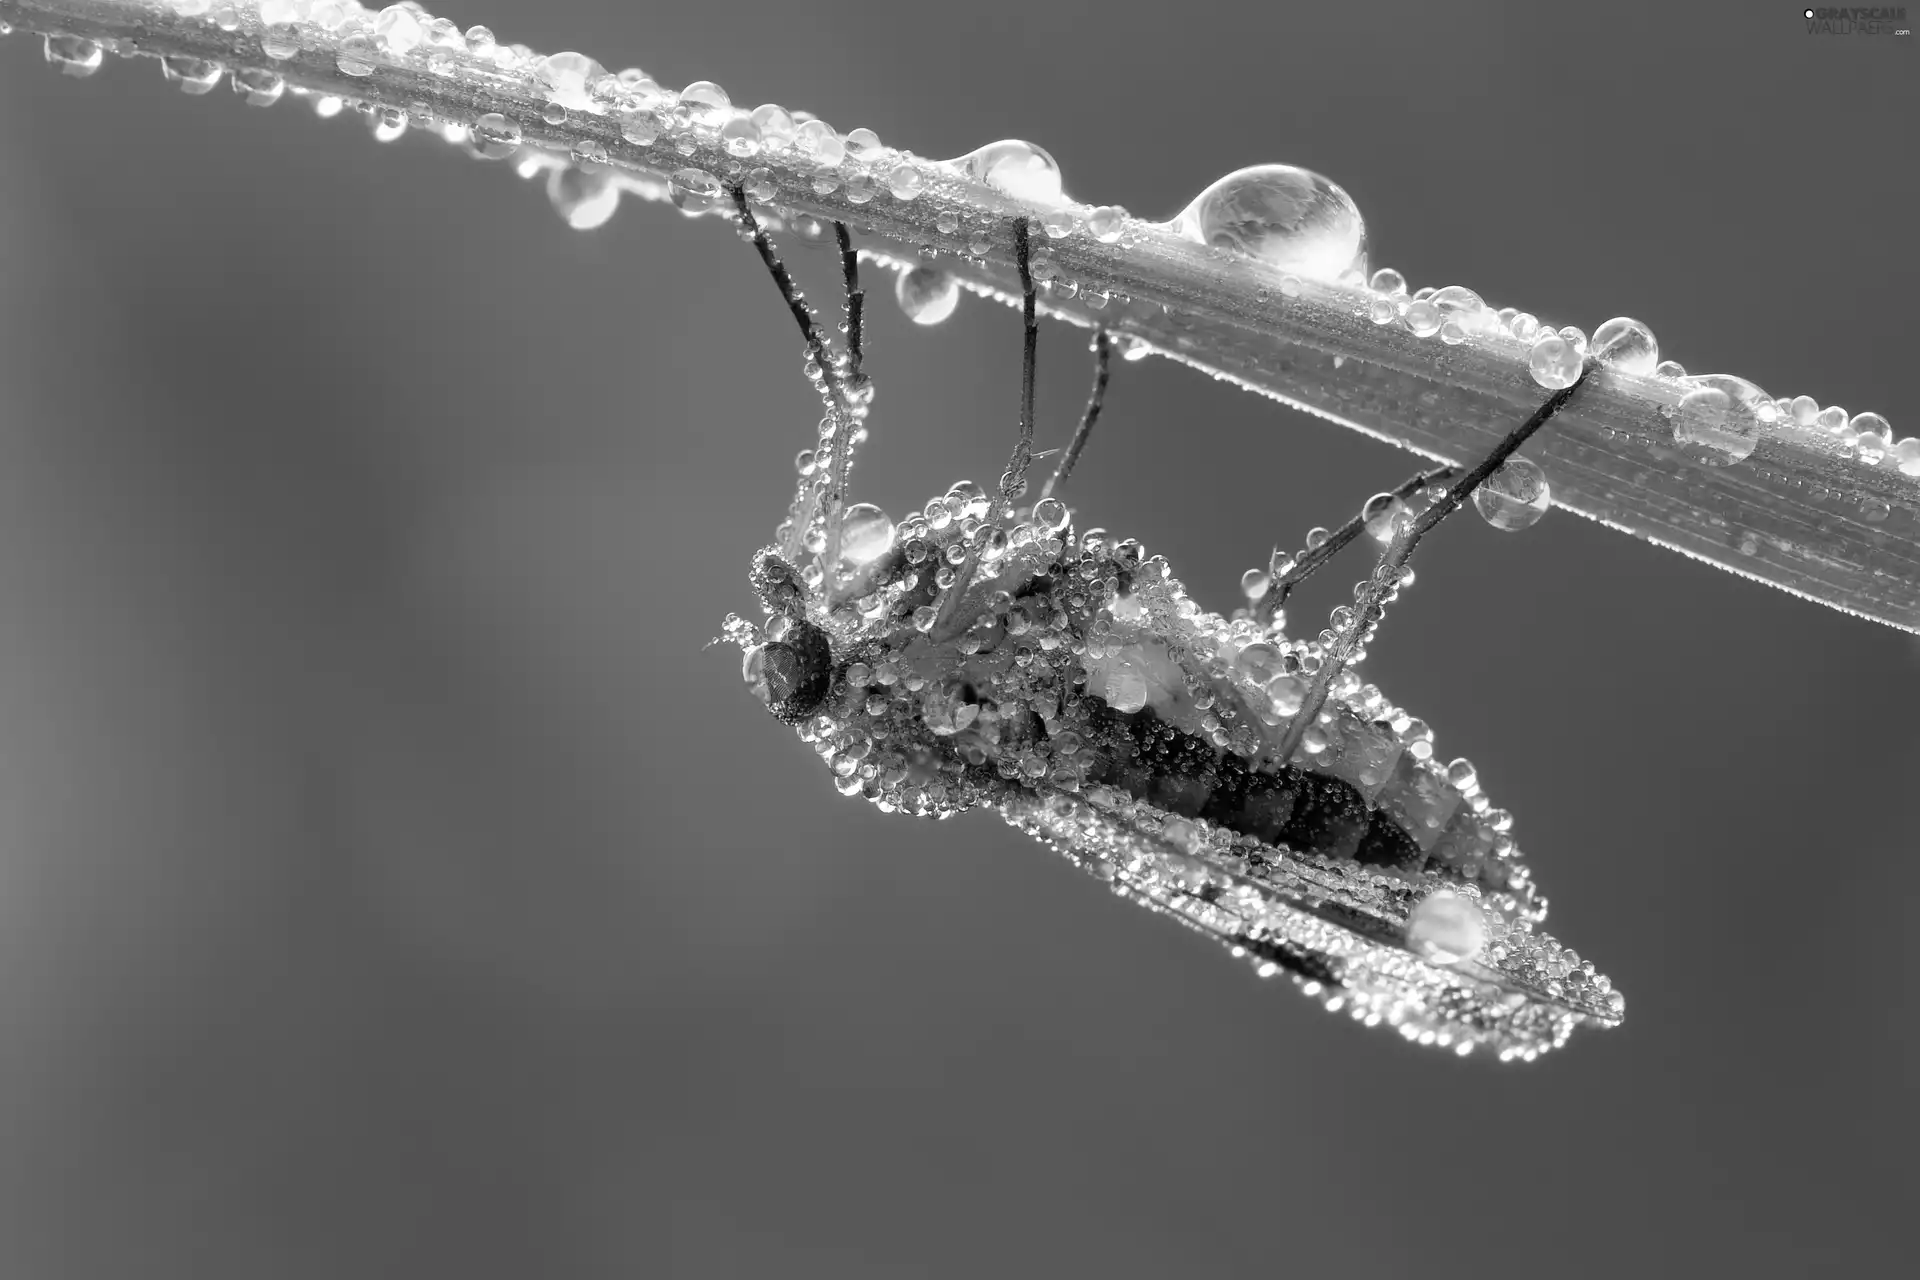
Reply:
x=987, y=653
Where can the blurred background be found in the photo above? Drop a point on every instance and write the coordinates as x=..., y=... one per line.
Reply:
x=390, y=885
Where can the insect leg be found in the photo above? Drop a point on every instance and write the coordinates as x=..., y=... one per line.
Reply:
x=834, y=390
x=1369, y=605
x=1102, y=359
x=856, y=303
x=1014, y=482
x=1316, y=558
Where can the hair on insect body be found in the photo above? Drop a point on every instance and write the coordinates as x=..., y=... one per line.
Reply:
x=987, y=652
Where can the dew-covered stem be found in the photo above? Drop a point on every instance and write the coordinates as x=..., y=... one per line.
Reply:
x=1827, y=510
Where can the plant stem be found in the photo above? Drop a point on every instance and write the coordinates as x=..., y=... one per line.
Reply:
x=1803, y=513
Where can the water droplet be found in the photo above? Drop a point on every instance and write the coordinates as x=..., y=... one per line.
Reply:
x=905, y=182
x=1554, y=362
x=1875, y=509
x=1462, y=775
x=1423, y=318
x=866, y=534
x=1016, y=169
x=1874, y=436
x=1290, y=218
x=495, y=137
x=1384, y=515
x=818, y=142
x=1446, y=928
x=388, y=123
x=1254, y=583
x=1523, y=326
x=1458, y=300
x=776, y=125
x=640, y=127
x=1515, y=496
x=1387, y=280
x=1717, y=425
x=568, y=78
x=759, y=185
x=1106, y=223
x=480, y=41
x=1627, y=345
x=1669, y=369
x=189, y=8
x=74, y=56
x=1805, y=410
x=1287, y=693
x=1051, y=515
x=398, y=30
x=328, y=105
x=1133, y=349
x=1058, y=223
x=1382, y=311
x=864, y=146
x=585, y=198
x=260, y=88
x=927, y=294
x=193, y=75
x=740, y=137
x=1258, y=662
x=356, y=55
x=1907, y=455
x=693, y=190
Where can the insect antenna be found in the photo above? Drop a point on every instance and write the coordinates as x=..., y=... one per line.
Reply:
x=1102, y=362
x=1316, y=558
x=856, y=304
x=1370, y=602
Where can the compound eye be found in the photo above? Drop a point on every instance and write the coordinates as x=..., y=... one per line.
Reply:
x=791, y=675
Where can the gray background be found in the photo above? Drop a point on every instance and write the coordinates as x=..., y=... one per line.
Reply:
x=391, y=887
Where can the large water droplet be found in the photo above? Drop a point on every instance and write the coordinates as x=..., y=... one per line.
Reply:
x=1016, y=169
x=1383, y=515
x=1554, y=362
x=693, y=190
x=398, y=30
x=260, y=88
x=866, y=533
x=1718, y=422
x=495, y=137
x=816, y=140
x=193, y=75
x=1625, y=344
x=1873, y=436
x=585, y=198
x=927, y=294
x=1515, y=496
x=74, y=56
x=1446, y=928
x=1289, y=218
x=568, y=79
x=1906, y=455
x=707, y=104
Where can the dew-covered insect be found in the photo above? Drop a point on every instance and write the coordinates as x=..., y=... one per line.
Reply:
x=989, y=653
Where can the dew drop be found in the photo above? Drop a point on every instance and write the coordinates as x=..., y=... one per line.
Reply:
x=1287, y=693
x=905, y=182
x=927, y=294
x=740, y=137
x=1523, y=326
x=1873, y=437
x=1106, y=223
x=74, y=55
x=1289, y=218
x=1669, y=369
x=1906, y=455
x=640, y=127
x=495, y=137
x=707, y=104
x=759, y=185
x=567, y=78
x=398, y=30
x=776, y=126
x=1382, y=311
x=1388, y=281
x=1051, y=515
x=1384, y=514
x=388, y=123
x=356, y=56
x=586, y=199
x=1554, y=362
x=1718, y=423
x=1423, y=318
x=693, y=190
x=1446, y=928
x=260, y=88
x=193, y=76
x=1014, y=168
x=1805, y=410
x=1627, y=345
x=866, y=534
x=1515, y=496
x=818, y=142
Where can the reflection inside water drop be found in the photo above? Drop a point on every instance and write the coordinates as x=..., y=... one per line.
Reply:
x=926, y=294
x=1289, y=218
x=1015, y=168
x=586, y=199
